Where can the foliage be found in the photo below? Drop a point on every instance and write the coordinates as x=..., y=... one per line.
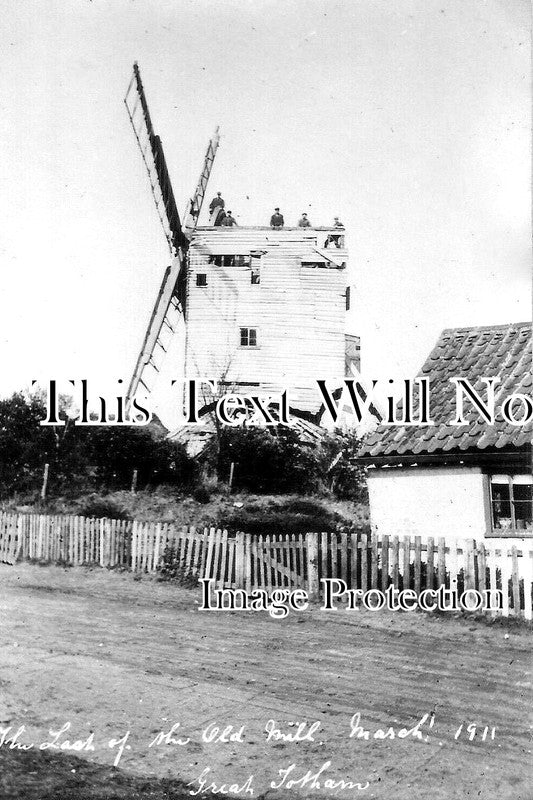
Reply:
x=81, y=457
x=275, y=461
x=286, y=515
x=115, y=451
x=25, y=445
x=85, y=459
x=171, y=569
x=268, y=461
x=201, y=494
x=345, y=475
x=97, y=506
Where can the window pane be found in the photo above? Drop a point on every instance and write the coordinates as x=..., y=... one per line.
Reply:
x=523, y=504
x=244, y=337
x=521, y=479
x=501, y=505
x=253, y=337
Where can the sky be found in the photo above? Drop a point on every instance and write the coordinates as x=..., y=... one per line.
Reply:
x=410, y=120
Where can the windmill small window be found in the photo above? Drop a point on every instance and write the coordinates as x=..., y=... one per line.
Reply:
x=201, y=279
x=255, y=265
x=248, y=337
x=348, y=298
x=314, y=264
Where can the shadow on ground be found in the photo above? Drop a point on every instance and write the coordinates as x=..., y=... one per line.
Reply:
x=34, y=775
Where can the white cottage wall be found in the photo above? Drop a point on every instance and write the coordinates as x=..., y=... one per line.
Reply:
x=430, y=501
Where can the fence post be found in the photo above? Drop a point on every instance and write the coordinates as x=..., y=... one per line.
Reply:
x=239, y=560
x=516, y=580
x=312, y=565
x=102, y=542
x=134, y=546
x=45, y=481
x=20, y=538
x=248, y=551
x=469, y=565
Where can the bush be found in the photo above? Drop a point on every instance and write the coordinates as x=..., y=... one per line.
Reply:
x=345, y=475
x=201, y=494
x=268, y=461
x=96, y=506
x=291, y=515
x=170, y=569
x=114, y=452
x=82, y=457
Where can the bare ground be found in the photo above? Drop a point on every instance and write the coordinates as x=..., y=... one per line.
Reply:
x=109, y=654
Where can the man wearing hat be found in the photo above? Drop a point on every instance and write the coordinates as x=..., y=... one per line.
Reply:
x=304, y=222
x=276, y=220
x=228, y=220
x=334, y=238
x=215, y=202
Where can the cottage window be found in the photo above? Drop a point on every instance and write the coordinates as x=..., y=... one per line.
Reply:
x=248, y=337
x=511, y=499
x=201, y=279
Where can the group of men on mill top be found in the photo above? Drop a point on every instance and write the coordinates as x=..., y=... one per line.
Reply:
x=277, y=220
x=218, y=202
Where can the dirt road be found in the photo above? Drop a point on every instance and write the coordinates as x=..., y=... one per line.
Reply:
x=111, y=655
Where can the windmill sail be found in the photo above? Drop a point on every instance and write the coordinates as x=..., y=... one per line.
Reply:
x=166, y=314
x=154, y=159
x=194, y=206
x=170, y=302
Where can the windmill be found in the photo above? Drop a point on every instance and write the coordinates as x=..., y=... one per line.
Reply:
x=263, y=306
x=170, y=303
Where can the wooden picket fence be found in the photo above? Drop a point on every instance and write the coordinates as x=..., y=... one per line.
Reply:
x=275, y=561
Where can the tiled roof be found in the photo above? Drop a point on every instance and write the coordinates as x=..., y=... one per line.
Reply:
x=501, y=350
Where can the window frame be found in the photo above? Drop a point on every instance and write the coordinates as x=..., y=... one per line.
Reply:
x=512, y=530
x=247, y=345
x=231, y=259
x=314, y=264
x=199, y=283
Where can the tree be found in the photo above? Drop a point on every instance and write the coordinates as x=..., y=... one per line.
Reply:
x=25, y=446
x=344, y=474
x=114, y=452
x=81, y=456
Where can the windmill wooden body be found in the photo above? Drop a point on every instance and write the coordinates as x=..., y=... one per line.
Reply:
x=264, y=309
